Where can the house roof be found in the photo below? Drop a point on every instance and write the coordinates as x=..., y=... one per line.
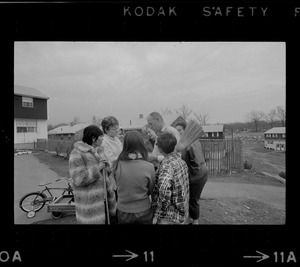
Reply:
x=133, y=124
x=169, y=119
x=140, y=122
x=276, y=130
x=28, y=91
x=212, y=128
x=69, y=129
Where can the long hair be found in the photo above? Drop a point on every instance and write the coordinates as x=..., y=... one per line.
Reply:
x=133, y=143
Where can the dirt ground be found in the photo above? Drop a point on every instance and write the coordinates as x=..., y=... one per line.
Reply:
x=219, y=210
x=239, y=211
x=264, y=160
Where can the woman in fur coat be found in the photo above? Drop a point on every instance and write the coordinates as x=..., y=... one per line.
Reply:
x=85, y=164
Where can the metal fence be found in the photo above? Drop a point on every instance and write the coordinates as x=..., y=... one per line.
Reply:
x=222, y=155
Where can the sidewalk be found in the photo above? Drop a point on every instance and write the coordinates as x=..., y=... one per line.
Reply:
x=28, y=173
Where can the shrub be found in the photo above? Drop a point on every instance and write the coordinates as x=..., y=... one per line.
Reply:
x=247, y=165
x=59, y=148
x=69, y=150
x=282, y=174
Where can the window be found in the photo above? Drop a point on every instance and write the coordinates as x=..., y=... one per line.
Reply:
x=21, y=129
x=27, y=102
x=24, y=126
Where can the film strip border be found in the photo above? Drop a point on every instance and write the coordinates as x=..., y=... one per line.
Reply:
x=186, y=246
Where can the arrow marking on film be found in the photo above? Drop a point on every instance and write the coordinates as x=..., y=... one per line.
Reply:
x=261, y=258
x=130, y=257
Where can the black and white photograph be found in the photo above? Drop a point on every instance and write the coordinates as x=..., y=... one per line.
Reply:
x=149, y=132
x=165, y=133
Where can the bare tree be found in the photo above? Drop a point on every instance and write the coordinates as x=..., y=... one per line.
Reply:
x=270, y=117
x=75, y=121
x=165, y=111
x=53, y=126
x=184, y=111
x=281, y=114
x=202, y=118
x=255, y=117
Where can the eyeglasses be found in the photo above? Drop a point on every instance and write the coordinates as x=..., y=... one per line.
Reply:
x=117, y=128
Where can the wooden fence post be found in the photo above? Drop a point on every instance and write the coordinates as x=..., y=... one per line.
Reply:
x=222, y=155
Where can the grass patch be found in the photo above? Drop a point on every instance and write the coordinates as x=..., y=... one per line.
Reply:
x=54, y=162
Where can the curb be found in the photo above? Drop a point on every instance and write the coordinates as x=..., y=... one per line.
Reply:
x=274, y=176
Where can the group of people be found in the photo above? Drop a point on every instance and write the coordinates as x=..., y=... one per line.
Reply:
x=127, y=180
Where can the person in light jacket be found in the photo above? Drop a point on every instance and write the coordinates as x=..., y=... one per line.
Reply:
x=112, y=145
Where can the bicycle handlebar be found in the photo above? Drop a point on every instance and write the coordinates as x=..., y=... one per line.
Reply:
x=63, y=178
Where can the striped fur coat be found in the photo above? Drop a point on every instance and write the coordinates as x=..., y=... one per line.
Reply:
x=88, y=185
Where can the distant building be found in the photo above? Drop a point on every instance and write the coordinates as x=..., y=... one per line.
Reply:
x=275, y=139
x=210, y=131
x=30, y=116
x=213, y=132
x=71, y=133
x=138, y=123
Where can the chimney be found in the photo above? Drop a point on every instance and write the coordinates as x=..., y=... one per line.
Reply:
x=130, y=122
x=141, y=116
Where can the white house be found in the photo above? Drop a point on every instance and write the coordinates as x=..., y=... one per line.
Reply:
x=137, y=123
x=275, y=139
x=68, y=132
x=213, y=131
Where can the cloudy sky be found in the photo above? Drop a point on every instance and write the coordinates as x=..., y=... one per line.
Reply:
x=125, y=79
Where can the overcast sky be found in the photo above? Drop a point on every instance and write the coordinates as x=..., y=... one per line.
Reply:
x=125, y=79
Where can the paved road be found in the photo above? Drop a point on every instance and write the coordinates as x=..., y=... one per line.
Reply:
x=28, y=173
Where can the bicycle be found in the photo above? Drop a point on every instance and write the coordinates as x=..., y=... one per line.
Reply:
x=35, y=201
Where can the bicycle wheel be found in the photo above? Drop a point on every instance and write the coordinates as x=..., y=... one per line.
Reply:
x=32, y=201
x=56, y=214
